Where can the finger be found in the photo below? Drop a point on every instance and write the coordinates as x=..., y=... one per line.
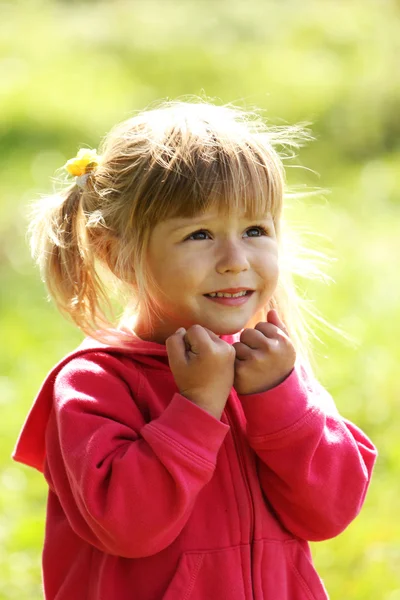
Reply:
x=270, y=331
x=213, y=336
x=274, y=318
x=253, y=338
x=175, y=345
x=242, y=351
x=197, y=339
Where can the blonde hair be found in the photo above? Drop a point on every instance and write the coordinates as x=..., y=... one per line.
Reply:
x=177, y=159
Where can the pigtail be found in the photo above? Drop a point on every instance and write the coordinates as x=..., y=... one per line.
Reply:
x=61, y=246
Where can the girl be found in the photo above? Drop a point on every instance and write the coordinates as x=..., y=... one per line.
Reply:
x=189, y=452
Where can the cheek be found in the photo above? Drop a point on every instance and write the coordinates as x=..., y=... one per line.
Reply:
x=174, y=274
x=189, y=265
x=269, y=268
x=275, y=269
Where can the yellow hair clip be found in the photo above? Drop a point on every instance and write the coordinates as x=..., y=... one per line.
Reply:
x=84, y=162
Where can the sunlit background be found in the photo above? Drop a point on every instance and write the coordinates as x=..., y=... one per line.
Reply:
x=70, y=70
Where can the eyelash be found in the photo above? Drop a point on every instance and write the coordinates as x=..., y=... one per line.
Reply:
x=260, y=227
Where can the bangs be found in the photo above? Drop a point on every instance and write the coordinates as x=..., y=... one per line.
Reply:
x=186, y=177
x=249, y=183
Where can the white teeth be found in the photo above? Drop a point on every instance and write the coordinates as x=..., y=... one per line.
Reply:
x=227, y=295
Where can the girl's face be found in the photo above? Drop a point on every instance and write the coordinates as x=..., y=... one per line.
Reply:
x=191, y=258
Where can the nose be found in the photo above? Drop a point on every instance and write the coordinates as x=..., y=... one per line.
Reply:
x=232, y=257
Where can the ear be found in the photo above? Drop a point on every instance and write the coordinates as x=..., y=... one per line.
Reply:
x=109, y=253
x=104, y=252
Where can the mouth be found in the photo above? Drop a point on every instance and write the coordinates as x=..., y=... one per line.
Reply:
x=231, y=297
x=230, y=293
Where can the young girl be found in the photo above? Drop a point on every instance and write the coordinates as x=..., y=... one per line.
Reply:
x=190, y=453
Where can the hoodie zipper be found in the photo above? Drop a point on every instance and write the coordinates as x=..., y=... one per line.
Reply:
x=245, y=478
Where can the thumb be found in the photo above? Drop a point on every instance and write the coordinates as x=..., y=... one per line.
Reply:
x=176, y=347
x=274, y=319
x=213, y=336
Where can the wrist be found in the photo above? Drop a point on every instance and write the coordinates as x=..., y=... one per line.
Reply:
x=212, y=409
x=265, y=387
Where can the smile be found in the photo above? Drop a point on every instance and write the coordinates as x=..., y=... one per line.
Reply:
x=228, y=299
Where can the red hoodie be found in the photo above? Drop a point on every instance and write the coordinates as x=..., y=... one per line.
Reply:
x=151, y=497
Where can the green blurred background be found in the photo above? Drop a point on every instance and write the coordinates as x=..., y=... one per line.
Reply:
x=70, y=70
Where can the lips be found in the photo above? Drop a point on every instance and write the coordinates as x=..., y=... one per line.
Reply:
x=231, y=291
x=230, y=300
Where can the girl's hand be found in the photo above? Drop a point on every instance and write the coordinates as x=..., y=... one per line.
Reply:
x=203, y=367
x=265, y=356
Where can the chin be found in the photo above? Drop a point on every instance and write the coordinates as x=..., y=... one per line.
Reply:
x=226, y=329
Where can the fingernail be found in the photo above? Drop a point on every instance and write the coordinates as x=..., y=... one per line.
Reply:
x=180, y=330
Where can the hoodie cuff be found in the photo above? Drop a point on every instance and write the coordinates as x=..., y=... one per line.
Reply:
x=278, y=408
x=194, y=428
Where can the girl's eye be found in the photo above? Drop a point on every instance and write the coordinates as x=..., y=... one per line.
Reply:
x=198, y=235
x=203, y=234
x=259, y=231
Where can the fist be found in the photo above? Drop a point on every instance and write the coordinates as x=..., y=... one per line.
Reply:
x=203, y=367
x=265, y=356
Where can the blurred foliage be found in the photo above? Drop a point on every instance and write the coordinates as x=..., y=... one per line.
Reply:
x=70, y=70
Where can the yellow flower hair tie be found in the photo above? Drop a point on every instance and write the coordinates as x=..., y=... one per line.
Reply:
x=83, y=164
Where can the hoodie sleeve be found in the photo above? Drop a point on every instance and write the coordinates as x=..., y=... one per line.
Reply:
x=126, y=486
x=315, y=466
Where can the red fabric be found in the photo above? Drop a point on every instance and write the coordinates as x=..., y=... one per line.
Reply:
x=151, y=497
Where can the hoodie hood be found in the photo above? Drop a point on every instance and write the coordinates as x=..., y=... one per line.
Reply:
x=30, y=448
